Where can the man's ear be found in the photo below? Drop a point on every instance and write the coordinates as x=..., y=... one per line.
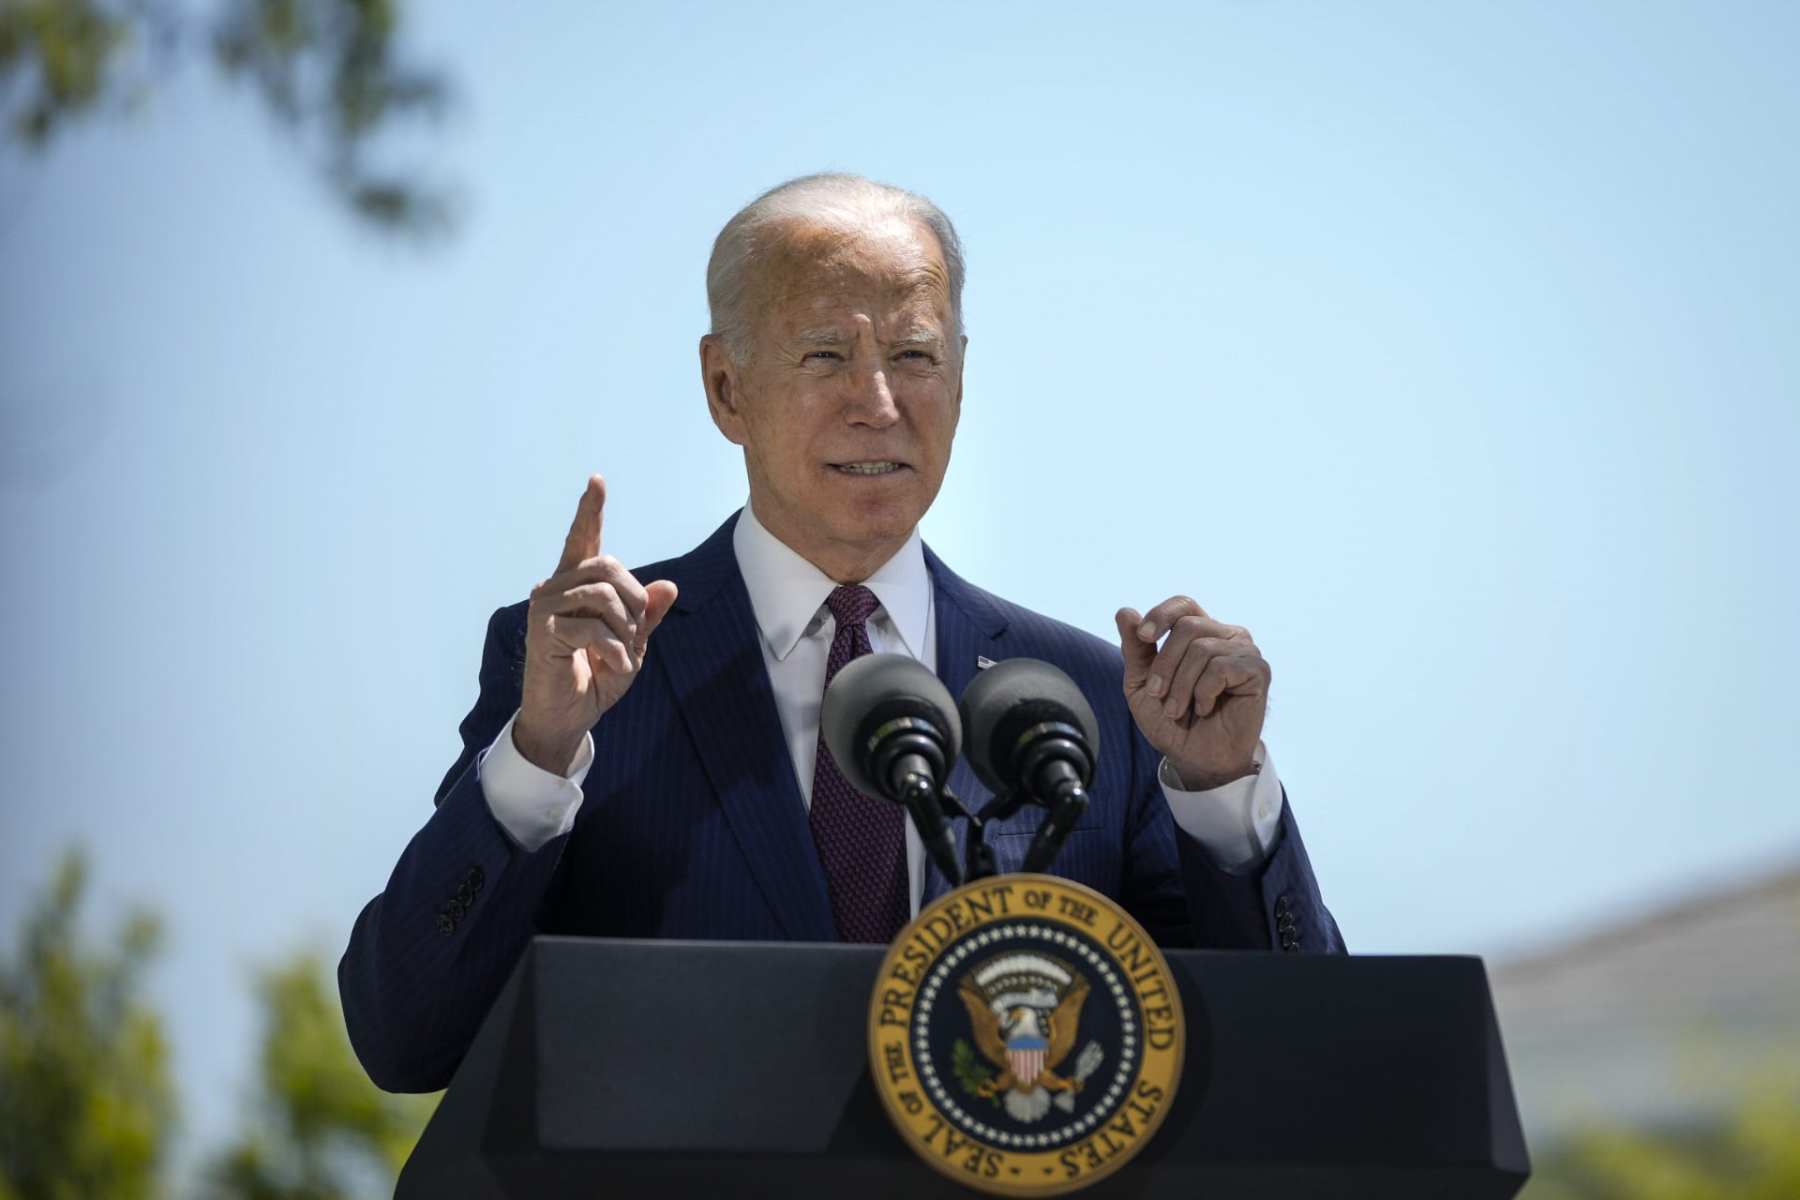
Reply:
x=720, y=376
x=962, y=357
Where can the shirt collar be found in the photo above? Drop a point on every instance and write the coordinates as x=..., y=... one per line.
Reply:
x=786, y=591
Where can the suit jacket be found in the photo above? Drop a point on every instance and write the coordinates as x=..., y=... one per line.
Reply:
x=693, y=826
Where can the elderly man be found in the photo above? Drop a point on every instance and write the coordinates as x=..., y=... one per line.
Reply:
x=643, y=759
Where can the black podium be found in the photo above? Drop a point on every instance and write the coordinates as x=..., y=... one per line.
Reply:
x=631, y=1068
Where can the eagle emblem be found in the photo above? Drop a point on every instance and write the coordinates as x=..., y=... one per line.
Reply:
x=1024, y=1011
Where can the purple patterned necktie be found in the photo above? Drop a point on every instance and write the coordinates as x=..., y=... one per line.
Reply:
x=861, y=840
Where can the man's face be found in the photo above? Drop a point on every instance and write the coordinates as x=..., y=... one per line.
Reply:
x=849, y=401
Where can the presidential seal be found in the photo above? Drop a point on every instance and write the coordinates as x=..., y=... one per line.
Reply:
x=1025, y=1035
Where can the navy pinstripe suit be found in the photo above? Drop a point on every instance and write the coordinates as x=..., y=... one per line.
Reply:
x=692, y=824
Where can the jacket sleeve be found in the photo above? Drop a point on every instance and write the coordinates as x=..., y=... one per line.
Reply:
x=428, y=955
x=1183, y=898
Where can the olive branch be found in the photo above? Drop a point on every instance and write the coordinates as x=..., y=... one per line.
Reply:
x=970, y=1072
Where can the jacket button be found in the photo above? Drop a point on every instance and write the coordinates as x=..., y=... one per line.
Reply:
x=446, y=923
x=1283, y=903
x=475, y=878
x=465, y=895
x=1289, y=941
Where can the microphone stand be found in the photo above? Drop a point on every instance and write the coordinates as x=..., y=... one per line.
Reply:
x=979, y=862
x=929, y=807
x=1070, y=804
x=978, y=857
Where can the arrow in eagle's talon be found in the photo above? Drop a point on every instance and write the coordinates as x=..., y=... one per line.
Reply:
x=1086, y=1063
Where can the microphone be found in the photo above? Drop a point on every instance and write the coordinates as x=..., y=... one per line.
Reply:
x=1032, y=733
x=894, y=732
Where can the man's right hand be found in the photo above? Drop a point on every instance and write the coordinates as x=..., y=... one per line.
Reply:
x=586, y=633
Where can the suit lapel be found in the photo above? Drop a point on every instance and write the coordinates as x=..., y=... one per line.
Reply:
x=968, y=626
x=709, y=649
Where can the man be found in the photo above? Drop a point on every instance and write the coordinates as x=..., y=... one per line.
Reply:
x=643, y=759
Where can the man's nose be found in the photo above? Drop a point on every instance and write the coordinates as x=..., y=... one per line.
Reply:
x=871, y=400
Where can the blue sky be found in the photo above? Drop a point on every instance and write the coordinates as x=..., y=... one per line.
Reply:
x=1449, y=347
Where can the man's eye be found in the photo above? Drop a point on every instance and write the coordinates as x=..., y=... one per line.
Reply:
x=916, y=355
x=823, y=354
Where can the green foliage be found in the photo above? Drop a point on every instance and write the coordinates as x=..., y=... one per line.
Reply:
x=971, y=1072
x=327, y=71
x=86, y=1106
x=69, y=49
x=1754, y=1157
x=320, y=1130
x=86, y=1102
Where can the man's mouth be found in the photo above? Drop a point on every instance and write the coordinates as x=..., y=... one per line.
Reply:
x=869, y=467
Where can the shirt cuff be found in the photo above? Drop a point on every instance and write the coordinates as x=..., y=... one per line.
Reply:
x=1238, y=822
x=532, y=805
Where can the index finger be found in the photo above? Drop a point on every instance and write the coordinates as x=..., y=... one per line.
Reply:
x=583, y=541
x=1162, y=618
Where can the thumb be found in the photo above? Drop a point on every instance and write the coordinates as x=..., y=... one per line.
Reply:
x=1139, y=654
x=659, y=598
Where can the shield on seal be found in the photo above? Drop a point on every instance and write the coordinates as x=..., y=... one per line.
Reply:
x=1025, y=1055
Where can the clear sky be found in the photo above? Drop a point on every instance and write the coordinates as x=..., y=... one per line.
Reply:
x=1452, y=348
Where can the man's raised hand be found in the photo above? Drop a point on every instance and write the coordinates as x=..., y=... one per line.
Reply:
x=586, y=632
x=1201, y=698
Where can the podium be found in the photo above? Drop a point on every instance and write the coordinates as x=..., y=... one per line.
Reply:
x=636, y=1068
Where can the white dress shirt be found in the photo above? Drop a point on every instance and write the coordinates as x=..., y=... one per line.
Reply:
x=1237, y=823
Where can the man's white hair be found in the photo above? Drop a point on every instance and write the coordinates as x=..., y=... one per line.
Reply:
x=828, y=198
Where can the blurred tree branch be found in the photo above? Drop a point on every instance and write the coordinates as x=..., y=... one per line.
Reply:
x=86, y=1104
x=320, y=1129
x=328, y=71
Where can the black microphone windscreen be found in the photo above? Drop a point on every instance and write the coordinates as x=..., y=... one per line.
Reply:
x=881, y=687
x=1007, y=699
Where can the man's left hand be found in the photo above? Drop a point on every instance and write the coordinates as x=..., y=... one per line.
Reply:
x=1200, y=699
